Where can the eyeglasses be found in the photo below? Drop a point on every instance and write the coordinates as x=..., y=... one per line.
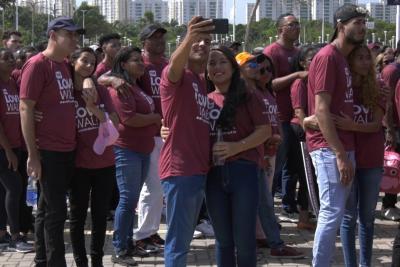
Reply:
x=264, y=70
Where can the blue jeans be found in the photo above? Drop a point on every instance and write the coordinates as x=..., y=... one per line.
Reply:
x=284, y=168
x=232, y=199
x=131, y=170
x=360, y=204
x=266, y=213
x=184, y=196
x=333, y=197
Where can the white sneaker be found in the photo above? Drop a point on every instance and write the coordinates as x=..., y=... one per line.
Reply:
x=392, y=214
x=206, y=228
x=197, y=234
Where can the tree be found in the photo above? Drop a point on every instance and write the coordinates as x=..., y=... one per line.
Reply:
x=6, y=3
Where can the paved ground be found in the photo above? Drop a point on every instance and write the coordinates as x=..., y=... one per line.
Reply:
x=202, y=250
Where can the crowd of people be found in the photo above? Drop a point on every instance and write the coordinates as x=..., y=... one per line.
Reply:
x=210, y=136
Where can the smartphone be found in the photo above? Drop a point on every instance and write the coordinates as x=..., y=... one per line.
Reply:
x=221, y=26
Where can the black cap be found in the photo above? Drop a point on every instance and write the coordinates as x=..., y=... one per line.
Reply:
x=346, y=13
x=65, y=23
x=149, y=30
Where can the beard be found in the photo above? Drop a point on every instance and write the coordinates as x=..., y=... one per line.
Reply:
x=350, y=39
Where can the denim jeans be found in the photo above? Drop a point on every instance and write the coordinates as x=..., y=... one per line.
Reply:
x=184, y=196
x=333, y=197
x=232, y=201
x=361, y=204
x=131, y=170
x=266, y=213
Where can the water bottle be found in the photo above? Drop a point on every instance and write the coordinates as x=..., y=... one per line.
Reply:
x=217, y=160
x=31, y=192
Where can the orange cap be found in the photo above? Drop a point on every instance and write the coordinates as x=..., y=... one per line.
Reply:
x=243, y=57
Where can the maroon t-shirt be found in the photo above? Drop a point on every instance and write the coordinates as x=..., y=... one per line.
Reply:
x=330, y=73
x=9, y=112
x=282, y=59
x=298, y=95
x=49, y=83
x=369, y=147
x=150, y=81
x=390, y=75
x=16, y=75
x=138, y=139
x=101, y=69
x=186, y=113
x=248, y=116
x=87, y=125
x=271, y=109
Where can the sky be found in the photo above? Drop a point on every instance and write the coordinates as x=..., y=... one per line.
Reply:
x=240, y=8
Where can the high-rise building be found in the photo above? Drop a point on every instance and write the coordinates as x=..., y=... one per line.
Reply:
x=137, y=9
x=382, y=11
x=249, y=9
x=112, y=10
x=183, y=10
x=272, y=9
x=54, y=7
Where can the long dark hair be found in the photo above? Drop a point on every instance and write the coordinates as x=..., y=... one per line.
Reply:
x=237, y=92
x=301, y=57
x=77, y=53
x=123, y=56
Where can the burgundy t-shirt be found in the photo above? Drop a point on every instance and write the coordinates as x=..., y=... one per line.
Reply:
x=150, y=81
x=248, y=116
x=49, y=83
x=9, y=112
x=369, y=147
x=282, y=59
x=298, y=95
x=138, y=139
x=271, y=109
x=101, y=69
x=330, y=73
x=185, y=111
x=390, y=75
x=16, y=73
x=87, y=125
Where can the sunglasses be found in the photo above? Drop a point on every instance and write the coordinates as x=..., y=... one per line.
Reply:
x=252, y=65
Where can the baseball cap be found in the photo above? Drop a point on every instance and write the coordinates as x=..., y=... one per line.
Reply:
x=149, y=30
x=373, y=46
x=243, y=57
x=65, y=23
x=346, y=13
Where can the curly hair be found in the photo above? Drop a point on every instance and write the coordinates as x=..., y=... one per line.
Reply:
x=237, y=92
x=370, y=91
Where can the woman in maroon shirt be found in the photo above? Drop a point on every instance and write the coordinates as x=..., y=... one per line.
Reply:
x=10, y=144
x=239, y=127
x=137, y=128
x=94, y=173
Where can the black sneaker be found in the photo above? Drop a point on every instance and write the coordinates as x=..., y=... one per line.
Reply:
x=135, y=251
x=124, y=259
x=157, y=240
x=147, y=245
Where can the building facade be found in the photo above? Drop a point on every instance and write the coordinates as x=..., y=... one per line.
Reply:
x=183, y=10
x=137, y=9
x=55, y=8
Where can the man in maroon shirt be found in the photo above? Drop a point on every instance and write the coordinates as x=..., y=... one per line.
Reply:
x=331, y=149
x=47, y=86
x=184, y=161
x=110, y=44
x=151, y=196
x=282, y=53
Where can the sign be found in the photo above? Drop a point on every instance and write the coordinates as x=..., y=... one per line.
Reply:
x=393, y=2
x=370, y=25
